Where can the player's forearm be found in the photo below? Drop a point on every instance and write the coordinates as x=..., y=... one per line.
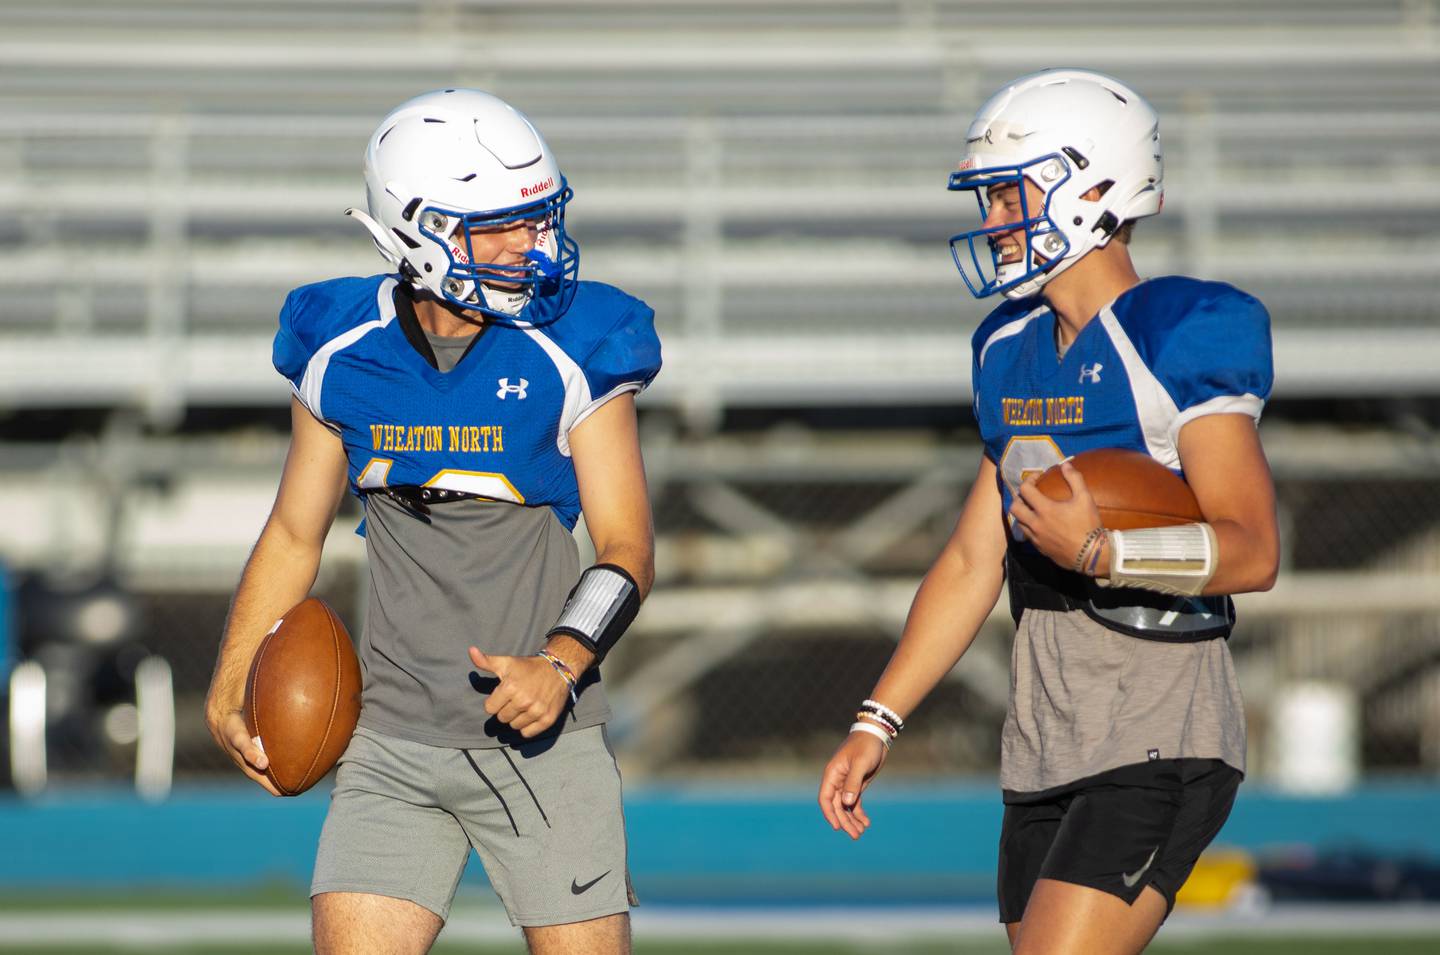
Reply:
x=1248, y=559
x=637, y=558
x=949, y=609
x=278, y=575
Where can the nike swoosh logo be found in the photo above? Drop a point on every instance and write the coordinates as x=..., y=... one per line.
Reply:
x=578, y=889
x=1130, y=880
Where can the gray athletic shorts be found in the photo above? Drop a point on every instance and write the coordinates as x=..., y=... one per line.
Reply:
x=545, y=817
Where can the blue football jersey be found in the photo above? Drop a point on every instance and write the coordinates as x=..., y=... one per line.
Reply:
x=497, y=424
x=1164, y=353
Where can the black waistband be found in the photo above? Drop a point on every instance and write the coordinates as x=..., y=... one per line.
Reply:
x=417, y=499
x=1037, y=583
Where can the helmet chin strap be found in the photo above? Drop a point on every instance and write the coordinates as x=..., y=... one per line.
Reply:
x=503, y=300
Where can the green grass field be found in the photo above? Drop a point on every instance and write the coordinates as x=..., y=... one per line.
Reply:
x=127, y=923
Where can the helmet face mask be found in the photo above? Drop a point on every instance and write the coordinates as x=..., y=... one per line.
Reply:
x=448, y=166
x=1089, y=144
x=1043, y=242
x=543, y=284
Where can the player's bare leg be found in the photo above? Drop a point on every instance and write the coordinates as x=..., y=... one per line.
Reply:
x=1077, y=920
x=603, y=936
x=356, y=923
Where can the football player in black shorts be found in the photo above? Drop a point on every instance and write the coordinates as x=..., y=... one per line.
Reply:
x=1124, y=740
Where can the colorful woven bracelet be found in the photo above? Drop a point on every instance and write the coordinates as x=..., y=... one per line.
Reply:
x=559, y=666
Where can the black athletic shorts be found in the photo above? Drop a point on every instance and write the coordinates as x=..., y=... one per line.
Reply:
x=1117, y=832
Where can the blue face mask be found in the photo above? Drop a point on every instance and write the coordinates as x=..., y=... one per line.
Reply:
x=537, y=291
x=1044, y=242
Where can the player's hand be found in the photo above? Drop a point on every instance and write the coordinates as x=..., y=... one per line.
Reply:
x=228, y=728
x=844, y=780
x=531, y=695
x=1057, y=528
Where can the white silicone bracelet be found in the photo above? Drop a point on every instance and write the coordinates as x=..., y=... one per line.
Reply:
x=860, y=726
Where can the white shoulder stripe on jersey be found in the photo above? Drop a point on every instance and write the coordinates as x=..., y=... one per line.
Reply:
x=1007, y=330
x=577, y=389
x=1246, y=404
x=598, y=403
x=1155, y=408
x=312, y=383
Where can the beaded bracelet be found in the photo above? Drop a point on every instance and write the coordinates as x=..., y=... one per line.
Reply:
x=560, y=667
x=1100, y=543
x=1090, y=540
x=889, y=715
x=860, y=726
x=878, y=721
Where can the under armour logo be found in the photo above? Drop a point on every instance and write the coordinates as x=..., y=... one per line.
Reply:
x=508, y=389
x=1090, y=373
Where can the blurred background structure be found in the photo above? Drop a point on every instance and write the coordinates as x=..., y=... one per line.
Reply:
x=770, y=176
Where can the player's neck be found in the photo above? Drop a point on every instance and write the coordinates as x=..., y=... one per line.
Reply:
x=439, y=319
x=1077, y=294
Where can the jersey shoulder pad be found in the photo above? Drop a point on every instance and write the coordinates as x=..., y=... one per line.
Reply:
x=611, y=336
x=1202, y=340
x=1007, y=318
x=319, y=313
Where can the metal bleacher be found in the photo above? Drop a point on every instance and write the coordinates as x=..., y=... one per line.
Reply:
x=770, y=176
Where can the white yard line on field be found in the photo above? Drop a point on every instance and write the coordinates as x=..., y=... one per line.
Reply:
x=121, y=928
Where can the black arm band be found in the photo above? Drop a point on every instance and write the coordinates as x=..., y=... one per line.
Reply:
x=599, y=609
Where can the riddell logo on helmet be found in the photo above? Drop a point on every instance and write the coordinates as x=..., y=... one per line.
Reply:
x=539, y=187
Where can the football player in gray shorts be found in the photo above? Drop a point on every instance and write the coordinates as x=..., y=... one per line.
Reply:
x=475, y=399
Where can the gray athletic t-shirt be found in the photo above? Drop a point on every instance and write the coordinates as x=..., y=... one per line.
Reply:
x=448, y=349
x=1085, y=699
x=488, y=573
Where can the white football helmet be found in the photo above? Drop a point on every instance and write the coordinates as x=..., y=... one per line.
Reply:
x=456, y=160
x=1066, y=131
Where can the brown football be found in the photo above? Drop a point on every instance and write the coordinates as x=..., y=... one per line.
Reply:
x=303, y=695
x=1130, y=488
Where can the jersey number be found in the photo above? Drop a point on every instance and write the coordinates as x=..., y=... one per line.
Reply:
x=489, y=484
x=1025, y=457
